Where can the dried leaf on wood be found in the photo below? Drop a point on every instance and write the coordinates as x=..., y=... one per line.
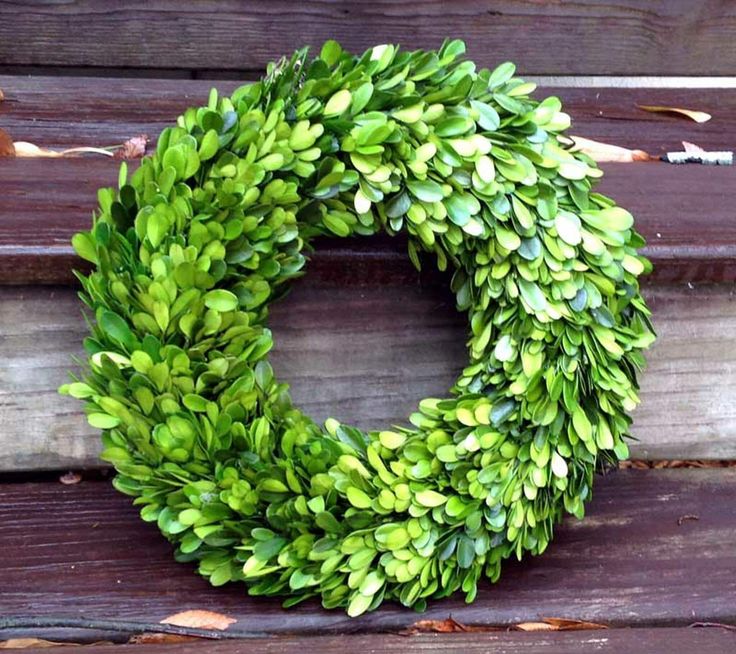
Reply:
x=605, y=151
x=25, y=149
x=692, y=148
x=697, y=116
x=448, y=626
x=133, y=148
x=566, y=624
x=535, y=626
x=200, y=619
x=7, y=148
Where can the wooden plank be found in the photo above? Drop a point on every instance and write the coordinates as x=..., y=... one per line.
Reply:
x=685, y=212
x=634, y=37
x=81, y=553
x=666, y=640
x=73, y=111
x=377, y=348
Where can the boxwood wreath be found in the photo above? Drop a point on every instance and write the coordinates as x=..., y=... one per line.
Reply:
x=189, y=254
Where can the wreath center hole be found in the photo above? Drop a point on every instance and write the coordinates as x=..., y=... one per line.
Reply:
x=366, y=354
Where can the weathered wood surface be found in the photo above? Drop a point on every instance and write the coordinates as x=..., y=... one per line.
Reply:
x=685, y=212
x=677, y=37
x=665, y=640
x=376, y=349
x=81, y=552
x=74, y=111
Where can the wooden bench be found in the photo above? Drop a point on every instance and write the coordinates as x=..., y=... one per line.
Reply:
x=655, y=553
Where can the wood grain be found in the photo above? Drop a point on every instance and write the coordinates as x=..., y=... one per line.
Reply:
x=375, y=349
x=685, y=212
x=81, y=552
x=635, y=37
x=666, y=640
x=73, y=111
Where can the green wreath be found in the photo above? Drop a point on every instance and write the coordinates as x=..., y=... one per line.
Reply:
x=192, y=250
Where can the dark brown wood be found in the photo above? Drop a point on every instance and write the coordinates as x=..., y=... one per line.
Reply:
x=685, y=212
x=81, y=552
x=592, y=37
x=681, y=640
x=73, y=111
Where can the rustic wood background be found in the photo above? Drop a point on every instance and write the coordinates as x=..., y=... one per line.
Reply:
x=363, y=336
x=616, y=37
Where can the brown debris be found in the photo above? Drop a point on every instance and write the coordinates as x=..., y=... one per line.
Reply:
x=69, y=478
x=133, y=148
x=200, y=619
x=692, y=114
x=7, y=148
x=602, y=152
x=688, y=516
x=450, y=625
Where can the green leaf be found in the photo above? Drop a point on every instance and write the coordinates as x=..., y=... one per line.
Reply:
x=330, y=52
x=501, y=411
x=530, y=248
x=358, y=498
x=84, y=245
x=209, y=145
x=391, y=439
x=508, y=239
x=359, y=604
x=425, y=190
x=117, y=329
x=460, y=207
x=102, y=421
x=336, y=225
x=504, y=349
x=338, y=103
x=532, y=295
x=361, y=97
x=501, y=74
x=453, y=126
x=430, y=498
x=465, y=552
x=581, y=424
x=568, y=227
x=488, y=117
x=221, y=300
x=398, y=205
x=559, y=466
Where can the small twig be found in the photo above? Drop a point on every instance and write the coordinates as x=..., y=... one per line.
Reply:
x=90, y=150
x=689, y=516
x=124, y=626
x=719, y=625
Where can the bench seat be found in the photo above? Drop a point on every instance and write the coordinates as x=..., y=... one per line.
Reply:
x=655, y=549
